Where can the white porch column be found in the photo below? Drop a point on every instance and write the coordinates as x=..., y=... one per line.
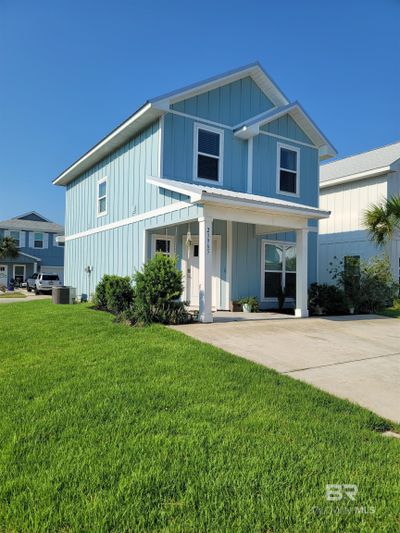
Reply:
x=205, y=269
x=301, y=273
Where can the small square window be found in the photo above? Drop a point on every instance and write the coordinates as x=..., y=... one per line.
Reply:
x=163, y=246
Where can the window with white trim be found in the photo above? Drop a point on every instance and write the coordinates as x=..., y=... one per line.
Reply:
x=279, y=270
x=16, y=236
x=102, y=197
x=38, y=240
x=208, y=153
x=288, y=170
x=164, y=245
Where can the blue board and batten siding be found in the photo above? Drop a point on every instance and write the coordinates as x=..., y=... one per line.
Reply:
x=121, y=250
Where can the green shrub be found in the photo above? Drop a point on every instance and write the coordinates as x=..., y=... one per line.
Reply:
x=99, y=299
x=114, y=294
x=326, y=299
x=158, y=288
x=370, y=288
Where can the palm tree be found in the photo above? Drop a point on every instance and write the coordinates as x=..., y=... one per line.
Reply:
x=8, y=248
x=383, y=219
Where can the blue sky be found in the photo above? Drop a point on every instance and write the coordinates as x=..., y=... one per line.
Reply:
x=72, y=70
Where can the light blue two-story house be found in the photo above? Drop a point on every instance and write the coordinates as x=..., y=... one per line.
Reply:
x=40, y=243
x=224, y=174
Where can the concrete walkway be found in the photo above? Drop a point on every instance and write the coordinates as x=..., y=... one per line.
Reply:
x=357, y=358
x=30, y=296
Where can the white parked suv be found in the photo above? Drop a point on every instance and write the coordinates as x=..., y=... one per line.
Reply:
x=42, y=282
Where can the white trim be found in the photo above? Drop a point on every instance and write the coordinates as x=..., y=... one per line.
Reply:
x=163, y=237
x=98, y=197
x=161, y=147
x=200, y=119
x=185, y=266
x=7, y=233
x=31, y=256
x=250, y=165
x=176, y=206
x=65, y=177
x=288, y=139
x=229, y=247
x=34, y=233
x=198, y=126
x=286, y=244
x=219, y=196
x=353, y=177
x=279, y=146
x=18, y=265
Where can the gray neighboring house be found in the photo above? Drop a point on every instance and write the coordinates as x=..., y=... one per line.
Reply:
x=39, y=249
x=347, y=188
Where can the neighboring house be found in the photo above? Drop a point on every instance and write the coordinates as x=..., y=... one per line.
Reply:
x=222, y=173
x=38, y=249
x=348, y=187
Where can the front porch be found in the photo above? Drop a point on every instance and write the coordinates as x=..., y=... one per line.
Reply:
x=238, y=245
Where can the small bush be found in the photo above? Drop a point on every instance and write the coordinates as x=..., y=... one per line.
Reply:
x=252, y=301
x=326, y=299
x=114, y=294
x=158, y=288
x=372, y=287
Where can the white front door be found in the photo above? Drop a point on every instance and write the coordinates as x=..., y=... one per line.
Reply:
x=3, y=274
x=190, y=263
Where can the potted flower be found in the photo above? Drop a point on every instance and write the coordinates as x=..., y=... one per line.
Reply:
x=249, y=304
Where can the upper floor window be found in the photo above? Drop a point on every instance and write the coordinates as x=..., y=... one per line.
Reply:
x=38, y=240
x=58, y=242
x=208, y=153
x=102, y=197
x=16, y=236
x=288, y=170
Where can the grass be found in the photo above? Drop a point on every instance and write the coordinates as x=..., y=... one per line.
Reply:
x=110, y=428
x=14, y=294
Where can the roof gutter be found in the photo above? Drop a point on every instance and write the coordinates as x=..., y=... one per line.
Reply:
x=358, y=176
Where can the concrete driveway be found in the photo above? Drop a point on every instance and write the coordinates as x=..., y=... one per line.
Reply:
x=357, y=358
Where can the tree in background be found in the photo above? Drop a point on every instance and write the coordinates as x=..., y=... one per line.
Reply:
x=8, y=248
x=383, y=219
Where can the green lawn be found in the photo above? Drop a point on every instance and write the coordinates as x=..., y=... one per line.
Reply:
x=15, y=294
x=110, y=428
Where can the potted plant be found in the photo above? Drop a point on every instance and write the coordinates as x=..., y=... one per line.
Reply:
x=249, y=304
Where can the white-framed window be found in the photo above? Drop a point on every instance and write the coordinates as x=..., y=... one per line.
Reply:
x=278, y=269
x=102, y=197
x=208, y=154
x=19, y=273
x=38, y=239
x=58, y=243
x=288, y=170
x=16, y=235
x=164, y=244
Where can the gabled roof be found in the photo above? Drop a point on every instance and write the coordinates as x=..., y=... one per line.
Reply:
x=364, y=165
x=251, y=127
x=18, y=224
x=156, y=107
x=32, y=215
x=253, y=70
x=205, y=193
